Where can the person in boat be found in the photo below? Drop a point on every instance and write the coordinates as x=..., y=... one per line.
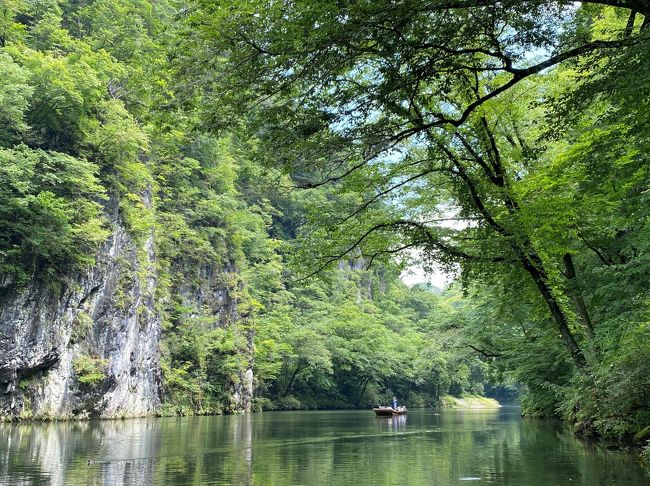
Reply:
x=394, y=403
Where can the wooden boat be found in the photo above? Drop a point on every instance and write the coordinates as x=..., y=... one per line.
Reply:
x=389, y=411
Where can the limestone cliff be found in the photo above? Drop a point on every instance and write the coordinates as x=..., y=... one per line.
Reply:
x=89, y=346
x=210, y=295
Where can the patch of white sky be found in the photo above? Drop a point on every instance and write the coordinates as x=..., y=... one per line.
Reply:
x=432, y=273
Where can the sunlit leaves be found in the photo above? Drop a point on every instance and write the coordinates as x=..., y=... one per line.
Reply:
x=50, y=208
x=14, y=100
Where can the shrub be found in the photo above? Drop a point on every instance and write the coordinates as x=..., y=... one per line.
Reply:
x=81, y=325
x=90, y=370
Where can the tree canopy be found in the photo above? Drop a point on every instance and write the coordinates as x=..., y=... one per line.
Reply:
x=499, y=139
x=288, y=160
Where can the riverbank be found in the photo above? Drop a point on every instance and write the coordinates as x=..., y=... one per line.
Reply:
x=469, y=402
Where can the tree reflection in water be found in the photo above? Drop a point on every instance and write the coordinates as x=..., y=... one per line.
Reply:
x=282, y=448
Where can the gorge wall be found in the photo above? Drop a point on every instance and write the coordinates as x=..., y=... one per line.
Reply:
x=90, y=346
x=126, y=229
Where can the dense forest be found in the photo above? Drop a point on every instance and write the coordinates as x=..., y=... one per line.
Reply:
x=206, y=206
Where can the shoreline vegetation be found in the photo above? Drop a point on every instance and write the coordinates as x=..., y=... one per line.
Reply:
x=446, y=402
x=469, y=402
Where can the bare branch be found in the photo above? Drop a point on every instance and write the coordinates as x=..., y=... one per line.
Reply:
x=487, y=354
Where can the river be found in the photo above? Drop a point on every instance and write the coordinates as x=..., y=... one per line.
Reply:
x=426, y=447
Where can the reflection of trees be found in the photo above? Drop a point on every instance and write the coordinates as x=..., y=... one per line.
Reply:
x=128, y=451
x=339, y=448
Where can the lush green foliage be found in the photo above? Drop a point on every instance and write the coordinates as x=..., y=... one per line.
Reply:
x=68, y=143
x=507, y=143
x=90, y=370
x=50, y=217
x=359, y=339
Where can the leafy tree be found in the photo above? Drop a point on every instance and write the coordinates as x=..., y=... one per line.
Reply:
x=14, y=99
x=49, y=218
x=499, y=140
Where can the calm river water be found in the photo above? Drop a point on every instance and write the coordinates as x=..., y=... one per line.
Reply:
x=452, y=447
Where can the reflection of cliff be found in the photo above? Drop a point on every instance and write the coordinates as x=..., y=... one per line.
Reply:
x=242, y=435
x=108, y=452
x=338, y=448
x=128, y=451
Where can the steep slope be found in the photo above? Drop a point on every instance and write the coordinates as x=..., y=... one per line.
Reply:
x=90, y=348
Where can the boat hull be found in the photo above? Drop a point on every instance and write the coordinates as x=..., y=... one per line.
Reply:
x=389, y=411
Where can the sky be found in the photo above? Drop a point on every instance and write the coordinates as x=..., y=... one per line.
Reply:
x=415, y=274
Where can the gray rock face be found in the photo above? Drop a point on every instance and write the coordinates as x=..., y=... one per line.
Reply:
x=89, y=347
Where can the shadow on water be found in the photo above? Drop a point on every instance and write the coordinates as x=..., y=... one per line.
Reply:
x=312, y=448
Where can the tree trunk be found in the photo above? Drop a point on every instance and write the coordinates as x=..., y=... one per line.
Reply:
x=576, y=295
x=293, y=377
x=630, y=23
x=524, y=250
x=363, y=390
x=557, y=313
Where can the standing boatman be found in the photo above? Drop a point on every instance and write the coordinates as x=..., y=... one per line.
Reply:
x=394, y=403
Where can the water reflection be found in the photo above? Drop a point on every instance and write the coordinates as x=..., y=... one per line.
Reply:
x=56, y=453
x=396, y=423
x=338, y=448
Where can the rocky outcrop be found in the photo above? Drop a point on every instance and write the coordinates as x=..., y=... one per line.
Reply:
x=87, y=346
